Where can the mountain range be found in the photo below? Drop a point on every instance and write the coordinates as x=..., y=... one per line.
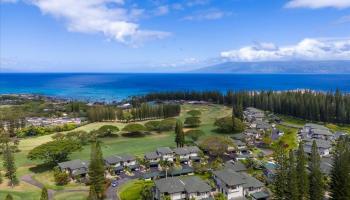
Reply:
x=279, y=67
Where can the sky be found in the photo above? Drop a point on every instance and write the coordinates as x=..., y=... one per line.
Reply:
x=167, y=35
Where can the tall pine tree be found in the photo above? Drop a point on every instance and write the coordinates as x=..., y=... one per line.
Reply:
x=302, y=176
x=44, y=194
x=9, y=197
x=292, y=181
x=96, y=172
x=179, y=134
x=9, y=165
x=316, y=176
x=280, y=184
x=340, y=174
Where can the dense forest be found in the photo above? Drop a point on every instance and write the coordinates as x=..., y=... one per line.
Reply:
x=310, y=105
x=143, y=111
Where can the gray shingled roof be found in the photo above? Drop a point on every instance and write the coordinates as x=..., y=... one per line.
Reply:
x=237, y=166
x=251, y=182
x=193, y=149
x=195, y=184
x=181, y=151
x=111, y=160
x=73, y=164
x=320, y=143
x=315, y=126
x=80, y=171
x=321, y=132
x=239, y=143
x=169, y=185
x=229, y=177
x=238, y=136
x=164, y=150
x=260, y=195
x=189, y=184
x=152, y=155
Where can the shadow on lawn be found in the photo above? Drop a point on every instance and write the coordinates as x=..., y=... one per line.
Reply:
x=41, y=168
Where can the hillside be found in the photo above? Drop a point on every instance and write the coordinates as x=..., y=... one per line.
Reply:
x=274, y=67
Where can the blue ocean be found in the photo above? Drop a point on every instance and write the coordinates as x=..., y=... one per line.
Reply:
x=110, y=87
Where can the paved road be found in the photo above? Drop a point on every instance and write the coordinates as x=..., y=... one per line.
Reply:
x=29, y=179
x=111, y=193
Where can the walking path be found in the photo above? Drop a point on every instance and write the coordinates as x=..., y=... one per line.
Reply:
x=29, y=179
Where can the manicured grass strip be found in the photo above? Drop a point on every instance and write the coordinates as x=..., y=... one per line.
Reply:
x=71, y=196
x=131, y=190
x=21, y=195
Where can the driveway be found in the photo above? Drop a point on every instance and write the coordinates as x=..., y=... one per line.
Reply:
x=111, y=193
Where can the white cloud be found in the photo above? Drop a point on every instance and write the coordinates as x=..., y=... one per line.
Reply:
x=314, y=4
x=307, y=49
x=212, y=14
x=109, y=17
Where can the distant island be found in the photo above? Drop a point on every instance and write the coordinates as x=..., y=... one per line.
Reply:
x=279, y=67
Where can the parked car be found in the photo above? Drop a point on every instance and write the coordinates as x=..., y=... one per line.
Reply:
x=114, y=183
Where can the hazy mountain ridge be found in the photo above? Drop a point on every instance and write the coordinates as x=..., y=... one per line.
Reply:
x=277, y=67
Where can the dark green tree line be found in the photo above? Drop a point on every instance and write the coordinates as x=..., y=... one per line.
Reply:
x=310, y=105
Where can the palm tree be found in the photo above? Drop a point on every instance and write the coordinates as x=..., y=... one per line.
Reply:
x=165, y=164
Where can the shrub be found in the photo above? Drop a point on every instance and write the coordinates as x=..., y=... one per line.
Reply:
x=226, y=125
x=61, y=178
x=167, y=124
x=194, y=134
x=194, y=113
x=54, y=151
x=152, y=125
x=39, y=130
x=216, y=145
x=107, y=131
x=192, y=121
x=58, y=136
x=134, y=128
x=82, y=137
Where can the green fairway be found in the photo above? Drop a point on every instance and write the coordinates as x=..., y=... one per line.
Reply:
x=71, y=196
x=23, y=191
x=110, y=146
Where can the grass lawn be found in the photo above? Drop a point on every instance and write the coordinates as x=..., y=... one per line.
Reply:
x=335, y=127
x=131, y=190
x=23, y=191
x=110, y=146
x=293, y=120
x=71, y=196
x=302, y=122
x=289, y=137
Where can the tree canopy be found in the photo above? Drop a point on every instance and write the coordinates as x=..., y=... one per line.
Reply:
x=107, y=131
x=216, y=145
x=228, y=125
x=153, y=125
x=54, y=151
x=194, y=113
x=194, y=134
x=192, y=121
x=134, y=128
x=310, y=105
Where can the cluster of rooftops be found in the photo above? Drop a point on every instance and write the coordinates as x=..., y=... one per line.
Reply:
x=119, y=162
x=232, y=181
x=323, y=137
